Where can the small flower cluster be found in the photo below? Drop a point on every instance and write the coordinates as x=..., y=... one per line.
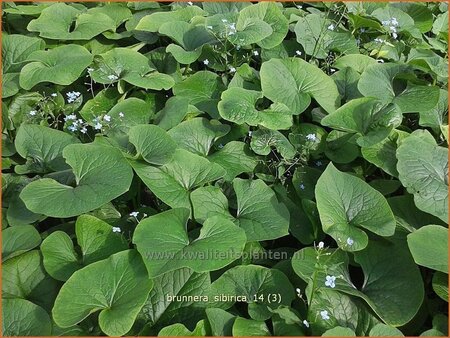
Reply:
x=76, y=124
x=392, y=26
x=72, y=96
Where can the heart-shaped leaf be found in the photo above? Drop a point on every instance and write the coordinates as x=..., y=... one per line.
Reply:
x=93, y=166
x=294, y=82
x=96, y=240
x=423, y=170
x=61, y=65
x=166, y=249
x=344, y=212
x=119, y=294
x=19, y=239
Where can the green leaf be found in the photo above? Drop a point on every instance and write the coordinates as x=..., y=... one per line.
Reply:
x=220, y=321
x=61, y=65
x=23, y=318
x=383, y=330
x=339, y=331
x=173, y=181
x=423, y=170
x=440, y=285
x=367, y=117
x=152, y=143
x=56, y=20
x=208, y=202
x=270, y=14
x=378, y=81
x=357, y=62
x=178, y=329
x=171, y=297
x=248, y=327
x=264, y=139
x=152, y=22
x=18, y=240
x=130, y=66
x=96, y=240
x=383, y=154
x=93, y=167
x=166, y=249
x=238, y=105
x=42, y=147
x=258, y=211
x=197, y=135
x=345, y=212
x=15, y=50
x=437, y=116
x=429, y=247
x=294, y=82
x=236, y=158
x=119, y=294
x=246, y=281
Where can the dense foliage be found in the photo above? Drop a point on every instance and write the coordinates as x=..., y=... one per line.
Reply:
x=225, y=169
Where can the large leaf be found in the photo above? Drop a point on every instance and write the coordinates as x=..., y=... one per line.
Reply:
x=96, y=240
x=294, y=82
x=173, y=181
x=23, y=318
x=117, y=286
x=42, y=147
x=248, y=327
x=378, y=81
x=272, y=16
x=166, y=249
x=181, y=285
x=249, y=282
x=429, y=247
x=61, y=65
x=423, y=169
x=93, y=166
x=19, y=239
x=367, y=117
x=258, y=211
x=348, y=206
x=55, y=23
x=132, y=67
x=15, y=50
x=238, y=105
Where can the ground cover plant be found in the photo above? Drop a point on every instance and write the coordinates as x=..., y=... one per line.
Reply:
x=224, y=169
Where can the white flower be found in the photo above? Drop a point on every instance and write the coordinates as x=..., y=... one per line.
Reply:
x=394, y=35
x=54, y=95
x=121, y=115
x=324, y=315
x=32, y=112
x=209, y=27
x=302, y=186
x=330, y=281
x=232, y=69
x=190, y=3
x=72, y=127
x=299, y=6
x=385, y=22
x=144, y=215
x=98, y=126
x=380, y=61
x=350, y=241
x=250, y=133
x=90, y=70
x=112, y=77
x=298, y=52
x=305, y=322
x=116, y=229
x=311, y=137
x=318, y=163
x=379, y=40
x=394, y=21
x=255, y=53
x=221, y=146
x=83, y=130
x=331, y=27
x=233, y=26
x=224, y=20
x=320, y=245
x=134, y=213
x=206, y=62
x=107, y=118
x=362, y=30
x=70, y=117
x=299, y=292
x=332, y=70
x=72, y=96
